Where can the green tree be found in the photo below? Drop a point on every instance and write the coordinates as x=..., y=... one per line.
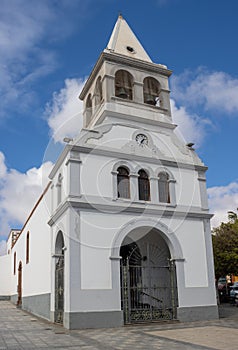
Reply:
x=232, y=217
x=225, y=247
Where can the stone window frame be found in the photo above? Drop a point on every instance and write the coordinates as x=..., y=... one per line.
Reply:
x=151, y=92
x=126, y=83
x=126, y=186
x=153, y=176
x=144, y=190
x=171, y=183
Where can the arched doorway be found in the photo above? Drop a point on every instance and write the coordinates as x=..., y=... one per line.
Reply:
x=148, y=278
x=19, y=285
x=59, y=278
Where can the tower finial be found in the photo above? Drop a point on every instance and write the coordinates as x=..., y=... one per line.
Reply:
x=120, y=15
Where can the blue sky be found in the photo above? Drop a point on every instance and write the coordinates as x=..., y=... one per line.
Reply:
x=48, y=48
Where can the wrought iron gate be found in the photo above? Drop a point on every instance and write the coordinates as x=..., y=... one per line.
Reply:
x=59, y=290
x=148, y=286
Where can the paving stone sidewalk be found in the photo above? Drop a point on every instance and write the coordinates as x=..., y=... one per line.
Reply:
x=20, y=330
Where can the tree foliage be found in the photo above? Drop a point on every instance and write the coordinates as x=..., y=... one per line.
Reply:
x=225, y=247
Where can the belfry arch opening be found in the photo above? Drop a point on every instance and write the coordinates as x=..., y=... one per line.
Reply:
x=148, y=277
x=151, y=89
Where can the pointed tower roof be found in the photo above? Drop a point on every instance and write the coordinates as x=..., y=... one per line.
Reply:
x=123, y=41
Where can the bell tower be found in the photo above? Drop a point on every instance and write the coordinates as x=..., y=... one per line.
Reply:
x=125, y=83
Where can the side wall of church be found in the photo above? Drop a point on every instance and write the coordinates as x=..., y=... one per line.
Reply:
x=36, y=286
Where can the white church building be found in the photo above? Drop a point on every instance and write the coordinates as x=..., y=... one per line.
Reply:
x=121, y=234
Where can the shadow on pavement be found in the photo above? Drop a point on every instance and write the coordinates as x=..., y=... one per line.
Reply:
x=227, y=310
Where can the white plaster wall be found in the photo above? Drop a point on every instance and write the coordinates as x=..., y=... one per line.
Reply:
x=96, y=177
x=187, y=187
x=35, y=274
x=164, y=139
x=5, y=274
x=98, y=231
x=9, y=243
x=96, y=236
x=116, y=138
x=191, y=236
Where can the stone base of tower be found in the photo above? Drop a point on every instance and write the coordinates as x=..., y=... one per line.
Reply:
x=97, y=319
x=197, y=313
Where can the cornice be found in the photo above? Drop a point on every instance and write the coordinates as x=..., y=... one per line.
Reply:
x=136, y=63
x=120, y=207
x=107, y=112
x=121, y=155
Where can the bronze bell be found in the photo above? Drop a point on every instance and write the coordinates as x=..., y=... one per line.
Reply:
x=122, y=93
x=150, y=100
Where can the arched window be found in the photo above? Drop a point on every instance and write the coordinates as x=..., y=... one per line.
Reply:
x=123, y=183
x=89, y=110
x=98, y=91
x=59, y=189
x=151, y=91
x=143, y=185
x=27, y=247
x=123, y=84
x=164, y=195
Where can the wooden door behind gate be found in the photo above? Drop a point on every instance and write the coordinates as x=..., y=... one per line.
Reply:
x=19, y=286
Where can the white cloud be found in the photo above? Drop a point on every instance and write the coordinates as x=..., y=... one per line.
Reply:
x=3, y=247
x=210, y=90
x=19, y=192
x=221, y=200
x=191, y=127
x=64, y=112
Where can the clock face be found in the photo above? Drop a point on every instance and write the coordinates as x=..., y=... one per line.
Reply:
x=142, y=139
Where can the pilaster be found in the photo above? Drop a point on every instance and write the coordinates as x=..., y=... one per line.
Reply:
x=73, y=176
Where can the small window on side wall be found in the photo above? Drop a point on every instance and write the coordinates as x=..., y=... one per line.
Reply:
x=143, y=185
x=164, y=195
x=14, y=263
x=27, y=247
x=123, y=84
x=123, y=183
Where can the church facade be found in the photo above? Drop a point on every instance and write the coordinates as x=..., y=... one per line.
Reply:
x=122, y=232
